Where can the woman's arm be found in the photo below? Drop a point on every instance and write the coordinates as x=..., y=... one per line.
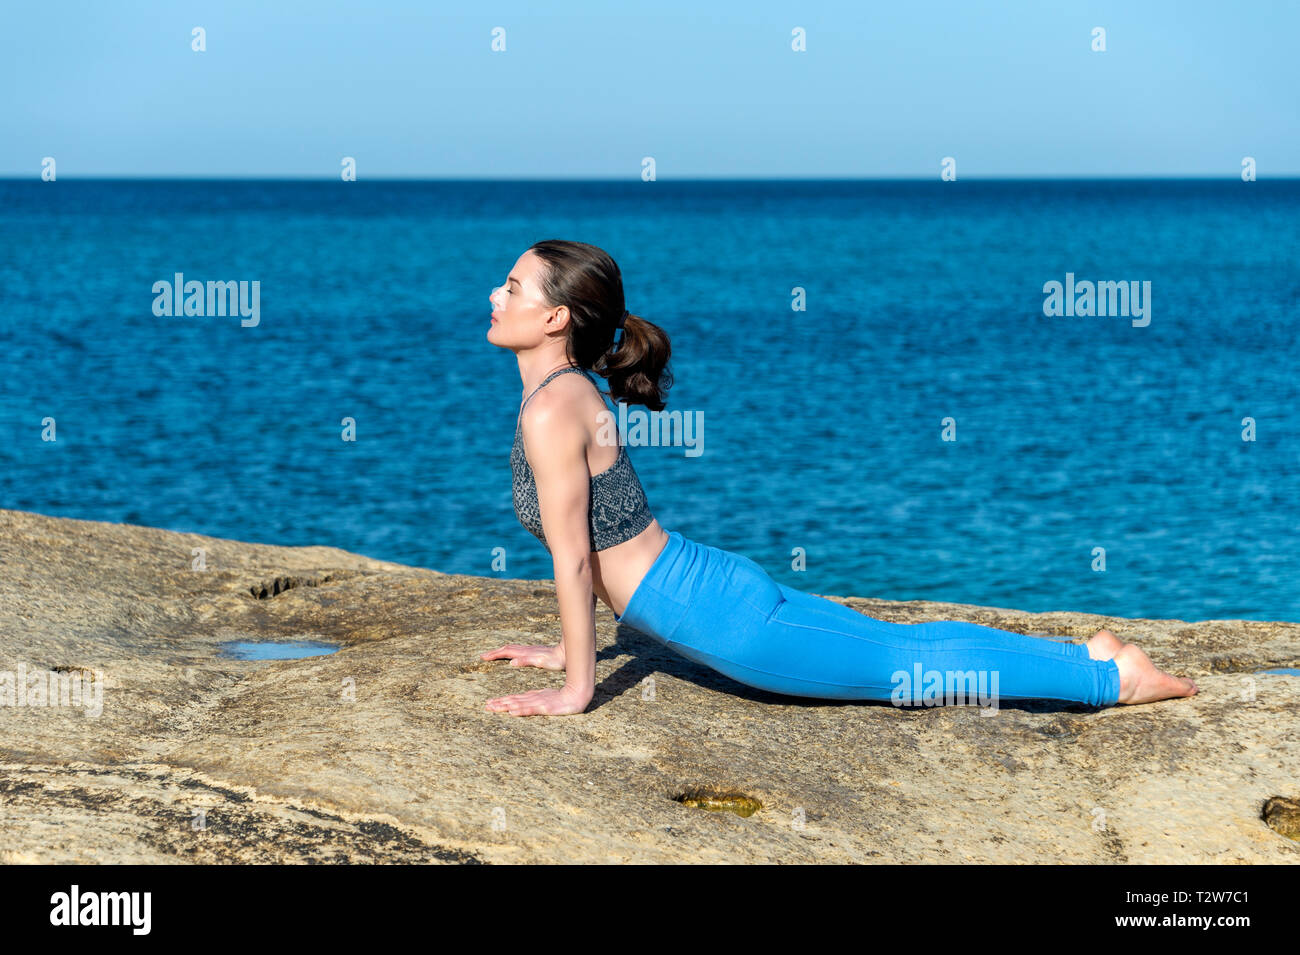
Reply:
x=563, y=496
x=559, y=465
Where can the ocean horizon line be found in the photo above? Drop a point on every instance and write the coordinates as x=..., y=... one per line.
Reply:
x=36, y=177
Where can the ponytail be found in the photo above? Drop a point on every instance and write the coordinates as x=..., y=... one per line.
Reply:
x=637, y=366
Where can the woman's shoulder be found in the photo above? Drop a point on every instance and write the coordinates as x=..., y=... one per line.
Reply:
x=556, y=410
x=564, y=413
x=565, y=393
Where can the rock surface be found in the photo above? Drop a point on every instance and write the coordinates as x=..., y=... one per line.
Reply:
x=382, y=752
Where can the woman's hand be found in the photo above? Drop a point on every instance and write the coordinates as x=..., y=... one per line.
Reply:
x=545, y=702
x=544, y=658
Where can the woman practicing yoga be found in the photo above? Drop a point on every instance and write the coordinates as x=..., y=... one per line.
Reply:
x=576, y=490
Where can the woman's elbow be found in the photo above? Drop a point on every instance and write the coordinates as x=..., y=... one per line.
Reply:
x=572, y=562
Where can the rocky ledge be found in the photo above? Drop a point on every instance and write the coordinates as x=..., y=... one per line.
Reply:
x=382, y=751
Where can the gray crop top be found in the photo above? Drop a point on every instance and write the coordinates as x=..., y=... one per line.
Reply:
x=618, y=506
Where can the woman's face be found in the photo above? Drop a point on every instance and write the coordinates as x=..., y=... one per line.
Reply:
x=517, y=305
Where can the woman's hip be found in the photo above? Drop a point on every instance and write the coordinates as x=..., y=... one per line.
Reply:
x=716, y=594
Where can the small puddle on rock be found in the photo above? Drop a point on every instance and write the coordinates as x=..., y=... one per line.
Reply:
x=738, y=803
x=276, y=649
x=1285, y=671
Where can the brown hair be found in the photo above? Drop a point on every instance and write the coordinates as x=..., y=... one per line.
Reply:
x=586, y=280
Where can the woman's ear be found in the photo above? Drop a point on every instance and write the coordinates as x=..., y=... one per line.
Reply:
x=560, y=320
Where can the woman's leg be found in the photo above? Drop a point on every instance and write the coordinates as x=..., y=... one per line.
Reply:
x=724, y=611
x=810, y=646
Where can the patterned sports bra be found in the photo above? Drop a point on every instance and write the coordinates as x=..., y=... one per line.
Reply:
x=618, y=506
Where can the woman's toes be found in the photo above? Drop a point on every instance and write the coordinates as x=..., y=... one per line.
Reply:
x=1142, y=682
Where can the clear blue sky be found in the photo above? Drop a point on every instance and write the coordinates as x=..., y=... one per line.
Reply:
x=1009, y=88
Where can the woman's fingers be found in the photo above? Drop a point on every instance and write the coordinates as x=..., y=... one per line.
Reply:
x=523, y=655
x=527, y=708
x=545, y=702
x=518, y=704
x=514, y=697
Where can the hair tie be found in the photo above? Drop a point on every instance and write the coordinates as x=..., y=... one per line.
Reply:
x=618, y=335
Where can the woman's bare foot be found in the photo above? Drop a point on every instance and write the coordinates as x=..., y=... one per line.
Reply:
x=1103, y=645
x=1141, y=682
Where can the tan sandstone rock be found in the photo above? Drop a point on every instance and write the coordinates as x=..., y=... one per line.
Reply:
x=383, y=751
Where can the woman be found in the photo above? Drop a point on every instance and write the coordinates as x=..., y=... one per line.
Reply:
x=576, y=490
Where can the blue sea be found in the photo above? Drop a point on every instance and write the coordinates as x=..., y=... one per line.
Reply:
x=919, y=429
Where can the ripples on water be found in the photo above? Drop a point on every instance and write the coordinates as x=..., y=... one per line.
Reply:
x=822, y=427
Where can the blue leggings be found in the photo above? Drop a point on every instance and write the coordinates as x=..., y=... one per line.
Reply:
x=724, y=611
